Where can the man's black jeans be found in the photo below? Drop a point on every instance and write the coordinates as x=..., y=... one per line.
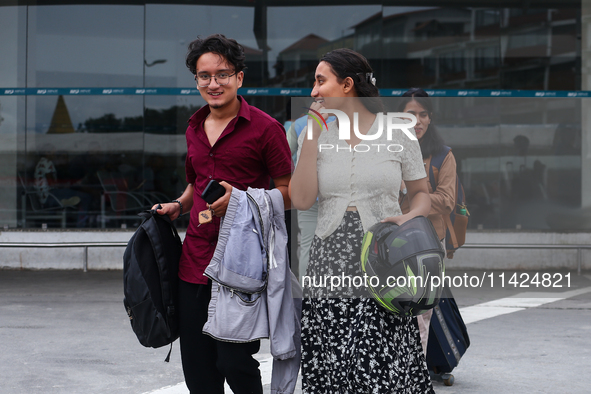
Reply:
x=206, y=361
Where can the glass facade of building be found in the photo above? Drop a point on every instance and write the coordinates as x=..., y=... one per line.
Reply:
x=94, y=98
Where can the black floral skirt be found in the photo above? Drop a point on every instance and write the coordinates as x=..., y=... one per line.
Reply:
x=350, y=344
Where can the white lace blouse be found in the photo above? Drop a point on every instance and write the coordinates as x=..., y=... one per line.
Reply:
x=367, y=176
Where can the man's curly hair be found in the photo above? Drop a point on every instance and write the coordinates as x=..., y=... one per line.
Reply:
x=228, y=48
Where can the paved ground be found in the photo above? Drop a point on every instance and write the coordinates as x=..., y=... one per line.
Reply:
x=67, y=332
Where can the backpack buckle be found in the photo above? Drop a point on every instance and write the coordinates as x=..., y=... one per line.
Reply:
x=170, y=310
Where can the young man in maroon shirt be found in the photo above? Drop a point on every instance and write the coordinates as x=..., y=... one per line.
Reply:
x=239, y=146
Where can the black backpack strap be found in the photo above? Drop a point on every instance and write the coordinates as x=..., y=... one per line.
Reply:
x=145, y=215
x=437, y=161
x=170, y=224
x=167, y=359
x=153, y=234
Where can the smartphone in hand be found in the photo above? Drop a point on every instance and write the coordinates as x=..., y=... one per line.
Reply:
x=213, y=191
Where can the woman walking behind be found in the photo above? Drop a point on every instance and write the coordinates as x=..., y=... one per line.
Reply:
x=417, y=102
x=349, y=343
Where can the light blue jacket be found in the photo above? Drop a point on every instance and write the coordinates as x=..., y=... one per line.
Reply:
x=252, y=283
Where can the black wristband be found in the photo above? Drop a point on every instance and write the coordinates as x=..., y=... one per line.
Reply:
x=181, y=205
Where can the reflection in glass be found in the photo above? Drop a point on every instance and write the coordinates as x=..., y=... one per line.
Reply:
x=519, y=159
x=69, y=146
x=516, y=157
x=12, y=109
x=298, y=36
x=458, y=48
x=85, y=46
x=171, y=27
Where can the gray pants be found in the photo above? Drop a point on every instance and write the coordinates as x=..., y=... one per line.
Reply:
x=307, y=224
x=424, y=321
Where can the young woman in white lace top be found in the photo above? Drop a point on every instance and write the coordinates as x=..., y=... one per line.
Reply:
x=349, y=343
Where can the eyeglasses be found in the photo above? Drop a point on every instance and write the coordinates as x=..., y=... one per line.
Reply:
x=203, y=80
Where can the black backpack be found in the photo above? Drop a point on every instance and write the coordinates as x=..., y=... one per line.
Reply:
x=150, y=280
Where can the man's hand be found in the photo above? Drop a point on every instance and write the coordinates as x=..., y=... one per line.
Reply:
x=220, y=205
x=172, y=209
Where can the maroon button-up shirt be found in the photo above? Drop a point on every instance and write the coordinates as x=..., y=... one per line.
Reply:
x=251, y=151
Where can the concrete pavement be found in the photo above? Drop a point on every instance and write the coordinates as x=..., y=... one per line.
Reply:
x=67, y=332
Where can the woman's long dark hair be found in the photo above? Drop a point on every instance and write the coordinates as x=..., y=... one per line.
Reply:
x=348, y=63
x=432, y=142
